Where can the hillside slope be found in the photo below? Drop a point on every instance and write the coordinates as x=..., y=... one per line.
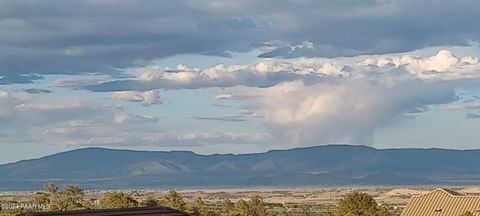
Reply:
x=331, y=165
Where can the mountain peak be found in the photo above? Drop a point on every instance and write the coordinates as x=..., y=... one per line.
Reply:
x=318, y=166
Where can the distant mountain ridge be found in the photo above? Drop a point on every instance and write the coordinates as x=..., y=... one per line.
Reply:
x=329, y=165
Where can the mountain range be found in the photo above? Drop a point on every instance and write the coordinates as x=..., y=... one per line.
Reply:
x=329, y=165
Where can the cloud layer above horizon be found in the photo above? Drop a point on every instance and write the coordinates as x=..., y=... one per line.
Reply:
x=234, y=76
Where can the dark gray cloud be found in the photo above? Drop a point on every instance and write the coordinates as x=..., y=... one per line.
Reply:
x=37, y=91
x=247, y=79
x=85, y=36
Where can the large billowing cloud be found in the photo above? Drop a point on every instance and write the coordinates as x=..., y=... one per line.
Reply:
x=346, y=112
x=85, y=36
x=378, y=91
x=310, y=101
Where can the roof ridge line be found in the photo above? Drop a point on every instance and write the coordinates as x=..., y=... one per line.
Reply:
x=450, y=192
x=446, y=191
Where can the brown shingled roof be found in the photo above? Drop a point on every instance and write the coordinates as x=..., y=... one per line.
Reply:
x=442, y=202
x=152, y=211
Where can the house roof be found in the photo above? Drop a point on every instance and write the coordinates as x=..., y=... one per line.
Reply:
x=444, y=202
x=152, y=211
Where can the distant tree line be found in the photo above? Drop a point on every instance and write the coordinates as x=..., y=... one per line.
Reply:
x=72, y=197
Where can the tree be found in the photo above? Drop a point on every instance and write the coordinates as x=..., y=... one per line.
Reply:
x=256, y=206
x=117, y=200
x=198, y=207
x=41, y=198
x=241, y=209
x=359, y=204
x=70, y=198
x=227, y=207
x=175, y=200
x=50, y=188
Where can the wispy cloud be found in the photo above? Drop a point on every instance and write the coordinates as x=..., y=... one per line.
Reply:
x=224, y=118
x=147, y=98
x=472, y=115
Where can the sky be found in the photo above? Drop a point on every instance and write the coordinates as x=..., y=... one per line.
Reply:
x=229, y=76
